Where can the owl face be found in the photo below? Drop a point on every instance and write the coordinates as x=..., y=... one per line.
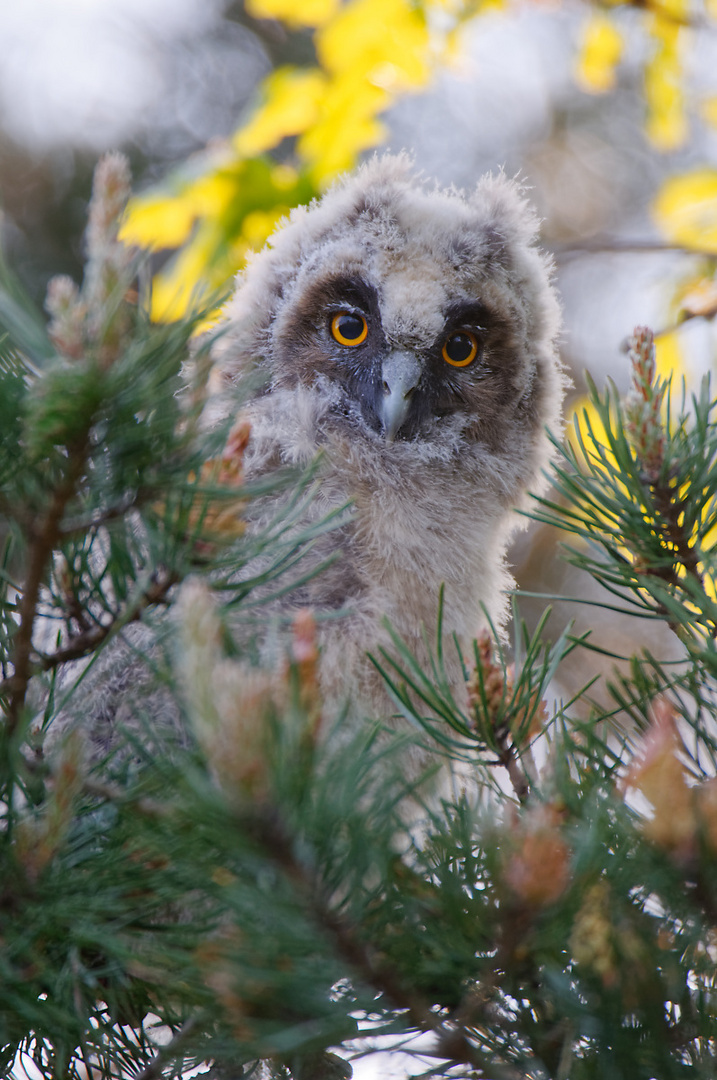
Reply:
x=398, y=380
x=423, y=311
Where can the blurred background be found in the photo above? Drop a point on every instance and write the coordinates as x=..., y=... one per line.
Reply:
x=156, y=78
x=595, y=108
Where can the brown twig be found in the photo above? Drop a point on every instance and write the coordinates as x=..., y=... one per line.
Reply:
x=614, y=246
x=94, y=521
x=682, y=552
x=89, y=640
x=42, y=542
x=114, y=794
x=670, y=513
x=509, y=760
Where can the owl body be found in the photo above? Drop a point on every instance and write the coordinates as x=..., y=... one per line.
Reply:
x=407, y=336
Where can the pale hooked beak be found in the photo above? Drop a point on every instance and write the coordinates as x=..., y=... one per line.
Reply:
x=401, y=373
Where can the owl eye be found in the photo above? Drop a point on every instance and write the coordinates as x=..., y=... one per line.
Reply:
x=348, y=328
x=460, y=349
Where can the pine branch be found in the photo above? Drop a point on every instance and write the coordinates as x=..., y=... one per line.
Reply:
x=42, y=542
x=452, y=1041
x=641, y=484
x=509, y=760
x=671, y=511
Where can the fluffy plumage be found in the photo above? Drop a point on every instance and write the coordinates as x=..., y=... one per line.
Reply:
x=434, y=455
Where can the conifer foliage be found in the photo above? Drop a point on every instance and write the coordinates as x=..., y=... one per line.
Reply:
x=257, y=886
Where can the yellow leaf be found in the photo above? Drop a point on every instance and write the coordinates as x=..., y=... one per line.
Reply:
x=258, y=225
x=348, y=126
x=385, y=40
x=676, y=10
x=293, y=12
x=183, y=284
x=685, y=209
x=590, y=439
x=709, y=110
x=668, y=356
x=284, y=176
x=165, y=221
x=373, y=50
x=600, y=53
x=591, y=444
x=158, y=221
x=666, y=122
x=699, y=298
x=292, y=101
x=452, y=50
x=213, y=191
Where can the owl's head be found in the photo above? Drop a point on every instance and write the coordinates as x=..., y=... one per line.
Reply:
x=423, y=310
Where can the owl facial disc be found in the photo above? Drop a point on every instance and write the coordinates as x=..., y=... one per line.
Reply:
x=400, y=373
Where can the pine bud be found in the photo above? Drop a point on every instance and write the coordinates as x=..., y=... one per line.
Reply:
x=538, y=866
x=227, y=701
x=643, y=407
x=488, y=686
x=217, y=960
x=200, y=643
x=492, y=696
x=591, y=939
x=305, y=656
x=66, y=329
x=108, y=272
x=111, y=189
x=236, y=751
x=38, y=840
x=659, y=774
x=98, y=317
x=221, y=518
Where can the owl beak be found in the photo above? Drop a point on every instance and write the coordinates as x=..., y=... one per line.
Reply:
x=401, y=374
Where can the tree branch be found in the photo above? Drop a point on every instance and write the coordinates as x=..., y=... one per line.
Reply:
x=41, y=546
x=453, y=1043
x=89, y=640
x=615, y=246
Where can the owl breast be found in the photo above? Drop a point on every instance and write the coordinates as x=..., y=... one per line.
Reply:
x=419, y=522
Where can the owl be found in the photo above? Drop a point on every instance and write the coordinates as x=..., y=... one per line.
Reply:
x=405, y=334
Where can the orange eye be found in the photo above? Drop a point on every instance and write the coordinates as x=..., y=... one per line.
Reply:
x=460, y=349
x=348, y=328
